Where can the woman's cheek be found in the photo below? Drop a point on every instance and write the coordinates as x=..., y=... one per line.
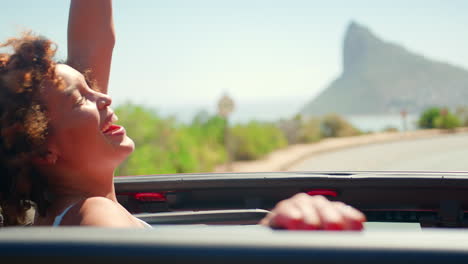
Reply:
x=88, y=117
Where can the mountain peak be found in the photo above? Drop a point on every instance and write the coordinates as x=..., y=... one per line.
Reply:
x=383, y=77
x=354, y=28
x=357, y=42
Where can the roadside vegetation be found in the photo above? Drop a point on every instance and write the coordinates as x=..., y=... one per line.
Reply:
x=166, y=145
x=443, y=118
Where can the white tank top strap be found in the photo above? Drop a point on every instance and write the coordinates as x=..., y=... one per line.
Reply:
x=58, y=218
x=148, y=226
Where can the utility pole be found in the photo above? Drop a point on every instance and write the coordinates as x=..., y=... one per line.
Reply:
x=225, y=108
x=404, y=114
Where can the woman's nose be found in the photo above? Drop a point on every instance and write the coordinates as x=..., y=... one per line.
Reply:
x=103, y=101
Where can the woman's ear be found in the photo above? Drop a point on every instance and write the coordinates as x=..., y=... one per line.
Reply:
x=49, y=158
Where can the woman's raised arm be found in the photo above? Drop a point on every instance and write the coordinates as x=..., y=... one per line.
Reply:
x=91, y=39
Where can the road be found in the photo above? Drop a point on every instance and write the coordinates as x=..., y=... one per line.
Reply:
x=441, y=153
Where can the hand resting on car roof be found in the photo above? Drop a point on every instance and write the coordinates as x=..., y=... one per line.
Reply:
x=304, y=212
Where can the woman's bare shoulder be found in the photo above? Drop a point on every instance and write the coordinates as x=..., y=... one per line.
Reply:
x=99, y=212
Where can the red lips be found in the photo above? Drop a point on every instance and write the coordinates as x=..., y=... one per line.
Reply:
x=111, y=128
x=108, y=122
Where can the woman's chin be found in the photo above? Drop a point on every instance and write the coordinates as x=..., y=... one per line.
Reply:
x=123, y=149
x=128, y=145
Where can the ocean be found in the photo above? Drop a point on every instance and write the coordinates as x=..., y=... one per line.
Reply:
x=274, y=112
x=377, y=123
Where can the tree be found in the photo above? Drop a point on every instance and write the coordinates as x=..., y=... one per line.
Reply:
x=428, y=116
x=446, y=120
x=335, y=126
x=442, y=118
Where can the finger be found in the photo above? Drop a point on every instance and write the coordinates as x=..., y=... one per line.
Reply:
x=353, y=218
x=289, y=218
x=266, y=220
x=330, y=217
x=284, y=215
x=310, y=218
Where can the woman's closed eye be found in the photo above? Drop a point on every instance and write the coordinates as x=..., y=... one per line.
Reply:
x=81, y=100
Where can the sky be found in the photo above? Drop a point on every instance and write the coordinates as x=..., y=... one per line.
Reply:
x=270, y=56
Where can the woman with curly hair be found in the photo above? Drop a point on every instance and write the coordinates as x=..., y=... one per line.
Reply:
x=59, y=145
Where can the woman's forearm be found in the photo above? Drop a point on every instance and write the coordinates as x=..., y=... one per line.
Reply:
x=91, y=38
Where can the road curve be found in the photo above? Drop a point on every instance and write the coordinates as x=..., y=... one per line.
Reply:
x=441, y=153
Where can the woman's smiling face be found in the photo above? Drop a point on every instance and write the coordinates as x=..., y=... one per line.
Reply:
x=82, y=134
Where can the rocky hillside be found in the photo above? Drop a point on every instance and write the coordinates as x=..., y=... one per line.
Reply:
x=380, y=77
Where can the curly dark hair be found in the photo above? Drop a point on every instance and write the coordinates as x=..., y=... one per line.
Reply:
x=23, y=124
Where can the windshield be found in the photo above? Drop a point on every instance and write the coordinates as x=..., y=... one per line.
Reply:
x=226, y=86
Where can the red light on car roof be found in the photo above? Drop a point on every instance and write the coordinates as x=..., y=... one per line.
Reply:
x=324, y=192
x=150, y=197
